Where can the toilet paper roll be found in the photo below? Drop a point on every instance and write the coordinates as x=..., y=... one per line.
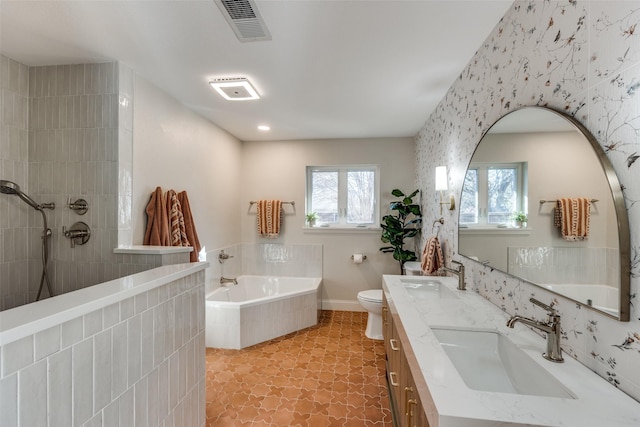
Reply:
x=357, y=258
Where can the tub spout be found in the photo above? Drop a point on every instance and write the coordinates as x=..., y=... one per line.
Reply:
x=224, y=280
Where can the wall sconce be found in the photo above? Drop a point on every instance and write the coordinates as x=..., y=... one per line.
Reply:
x=441, y=186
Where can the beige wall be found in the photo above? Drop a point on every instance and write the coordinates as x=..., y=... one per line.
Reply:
x=276, y=170
x=175, y=148
x=171, y=143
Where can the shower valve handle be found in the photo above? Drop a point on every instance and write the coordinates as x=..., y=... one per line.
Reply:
x=79, y=233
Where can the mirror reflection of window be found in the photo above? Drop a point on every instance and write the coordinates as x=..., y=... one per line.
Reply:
x=492, y=193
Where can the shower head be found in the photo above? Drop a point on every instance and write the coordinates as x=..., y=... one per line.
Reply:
x=8, y=187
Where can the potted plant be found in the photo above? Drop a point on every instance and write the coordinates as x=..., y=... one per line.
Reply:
x=403, y=223
x=520, y=218
x=311, y=217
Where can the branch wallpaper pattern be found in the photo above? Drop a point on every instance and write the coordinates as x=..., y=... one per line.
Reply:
x=581, y=58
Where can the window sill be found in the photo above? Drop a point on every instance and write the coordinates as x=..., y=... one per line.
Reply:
x=340, y=230
x=495, y=230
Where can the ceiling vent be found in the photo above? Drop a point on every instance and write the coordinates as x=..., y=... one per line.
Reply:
x=245, y=20
x=234, y=88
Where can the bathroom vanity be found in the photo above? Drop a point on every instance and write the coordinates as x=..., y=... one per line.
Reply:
x=453, y=362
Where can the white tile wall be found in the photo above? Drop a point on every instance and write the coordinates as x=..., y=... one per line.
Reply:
x=124, y=365
x=267, y=259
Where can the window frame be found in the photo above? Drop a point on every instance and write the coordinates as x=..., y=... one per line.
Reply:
x=482, y=201
x=343, y=190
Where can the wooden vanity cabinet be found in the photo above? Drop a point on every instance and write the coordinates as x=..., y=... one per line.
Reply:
x=405, y=402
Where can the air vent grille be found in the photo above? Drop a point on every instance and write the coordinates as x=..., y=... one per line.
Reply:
x=239, y=9
x=245, y=20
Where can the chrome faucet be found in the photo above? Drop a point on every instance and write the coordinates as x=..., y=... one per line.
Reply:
x=551, y=327
x=459, y=272
x=224, y=280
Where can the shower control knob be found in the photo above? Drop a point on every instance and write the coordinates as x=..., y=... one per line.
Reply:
x=78, y=234
x=80, y=206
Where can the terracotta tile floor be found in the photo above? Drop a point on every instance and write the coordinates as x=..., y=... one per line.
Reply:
x=327, y=375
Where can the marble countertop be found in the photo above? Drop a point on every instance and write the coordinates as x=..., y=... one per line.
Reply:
x=449, y=402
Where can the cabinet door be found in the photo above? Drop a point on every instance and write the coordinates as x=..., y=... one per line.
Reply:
x=412, y=413
x=392, y=353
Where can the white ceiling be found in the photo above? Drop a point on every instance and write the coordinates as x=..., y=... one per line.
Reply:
x=333, y=69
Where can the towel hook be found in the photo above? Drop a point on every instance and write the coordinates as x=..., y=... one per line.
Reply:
x=439, y=220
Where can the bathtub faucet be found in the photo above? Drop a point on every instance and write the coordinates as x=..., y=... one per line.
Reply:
x=224, y=280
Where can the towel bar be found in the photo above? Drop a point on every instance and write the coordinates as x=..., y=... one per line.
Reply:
x=252, y=202
x=542, y=202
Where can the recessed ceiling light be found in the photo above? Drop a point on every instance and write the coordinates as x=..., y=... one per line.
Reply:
x=264, y=127
x=234, y=89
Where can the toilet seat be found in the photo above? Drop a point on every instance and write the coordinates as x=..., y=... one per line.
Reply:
x=372, y=295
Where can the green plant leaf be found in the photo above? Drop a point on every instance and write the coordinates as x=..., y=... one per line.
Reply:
x=415, y=209
x=397, y=227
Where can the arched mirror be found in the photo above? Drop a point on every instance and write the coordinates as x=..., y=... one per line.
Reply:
x=543, y=167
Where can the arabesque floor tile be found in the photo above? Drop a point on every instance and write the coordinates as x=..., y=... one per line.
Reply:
x=328, y=375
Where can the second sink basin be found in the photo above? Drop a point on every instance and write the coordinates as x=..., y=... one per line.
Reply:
x=489, y=361
x=425, y=289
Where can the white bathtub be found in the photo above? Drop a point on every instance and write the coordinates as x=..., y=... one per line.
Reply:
x=260, y=308
x=602, y=297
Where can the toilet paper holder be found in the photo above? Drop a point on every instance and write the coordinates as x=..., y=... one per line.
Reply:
x=363, y=257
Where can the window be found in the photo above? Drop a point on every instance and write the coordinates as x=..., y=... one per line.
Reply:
x=344, y=195
x=492, y=193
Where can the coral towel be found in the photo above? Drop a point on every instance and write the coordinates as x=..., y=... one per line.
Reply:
x=177, y=230
x=432, y=257
x=189, y=226
x=572, y=216
x=269, y=217
x=157, y=232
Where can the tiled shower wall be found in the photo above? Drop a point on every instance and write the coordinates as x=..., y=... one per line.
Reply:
x=15, y=216
x=579, y=57
x=138, y=362
x=66, y=133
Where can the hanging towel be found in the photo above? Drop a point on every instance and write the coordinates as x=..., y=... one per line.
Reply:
x=157, y=231
x=177, y=232
x=432, y=257
x=571, y=217
x=189, y=225
x=269, y=217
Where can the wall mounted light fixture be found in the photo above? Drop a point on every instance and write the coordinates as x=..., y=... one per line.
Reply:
x=442, y=186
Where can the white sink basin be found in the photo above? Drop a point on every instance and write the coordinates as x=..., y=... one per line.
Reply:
x=426, y=289
x=489, y=361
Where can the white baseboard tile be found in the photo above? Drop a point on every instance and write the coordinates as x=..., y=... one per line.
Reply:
x=341, y=305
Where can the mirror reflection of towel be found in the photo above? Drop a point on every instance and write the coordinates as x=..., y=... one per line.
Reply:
x=432, y=257
x=571, y=217
x=269, y=218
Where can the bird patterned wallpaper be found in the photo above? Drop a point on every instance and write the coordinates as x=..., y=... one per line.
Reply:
x=578, y=57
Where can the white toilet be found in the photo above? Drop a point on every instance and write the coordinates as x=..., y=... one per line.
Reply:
x=371, y=301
